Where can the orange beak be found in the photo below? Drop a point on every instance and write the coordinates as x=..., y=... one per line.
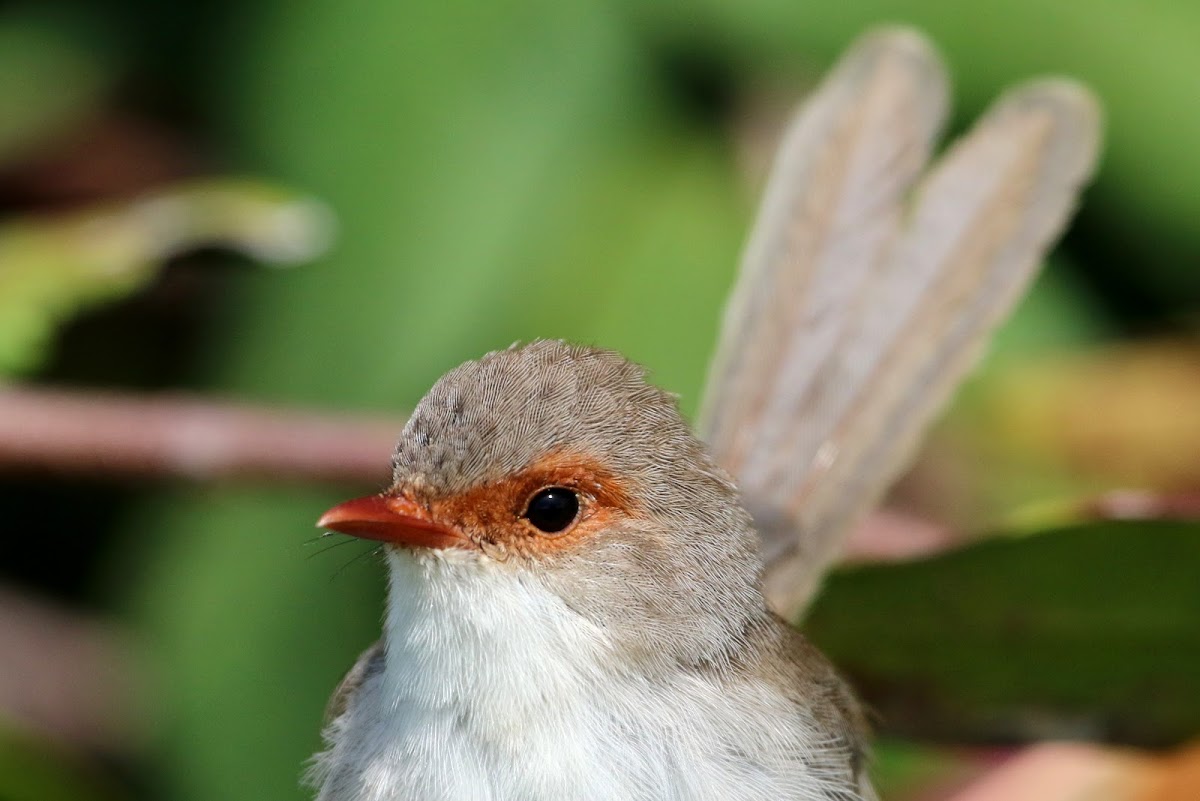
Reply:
x=390, y=519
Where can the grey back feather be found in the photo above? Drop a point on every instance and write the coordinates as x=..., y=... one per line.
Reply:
x=867, y=290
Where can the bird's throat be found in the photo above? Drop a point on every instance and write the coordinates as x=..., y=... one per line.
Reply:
x=464, y=630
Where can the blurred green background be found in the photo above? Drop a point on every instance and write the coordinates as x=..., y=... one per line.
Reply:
x=583, y=169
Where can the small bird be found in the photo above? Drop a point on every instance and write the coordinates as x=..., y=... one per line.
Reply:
x=580, y=599
x=575, y=608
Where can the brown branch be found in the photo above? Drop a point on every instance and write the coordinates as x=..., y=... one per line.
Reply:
x=121, y=436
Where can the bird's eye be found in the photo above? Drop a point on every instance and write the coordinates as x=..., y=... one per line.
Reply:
x=553, y=509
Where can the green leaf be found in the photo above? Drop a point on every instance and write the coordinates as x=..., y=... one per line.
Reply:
x=1090, y=630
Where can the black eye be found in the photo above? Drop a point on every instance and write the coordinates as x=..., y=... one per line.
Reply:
x=553, y=509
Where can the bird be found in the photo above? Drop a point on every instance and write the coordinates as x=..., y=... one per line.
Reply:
x=585, y=592
x=555, y=517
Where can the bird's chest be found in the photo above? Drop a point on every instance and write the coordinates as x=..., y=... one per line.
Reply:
x=512, y=698
x=494, y=741
x=554, y=733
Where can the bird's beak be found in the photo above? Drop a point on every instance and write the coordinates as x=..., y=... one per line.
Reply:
x=391, y=519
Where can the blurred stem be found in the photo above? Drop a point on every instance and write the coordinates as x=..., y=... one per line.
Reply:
x=52, y=267
x=115, y=435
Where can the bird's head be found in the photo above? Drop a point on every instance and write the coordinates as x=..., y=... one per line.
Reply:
x=562, y=466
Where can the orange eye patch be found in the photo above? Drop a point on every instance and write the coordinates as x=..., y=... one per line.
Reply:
x=524, y=513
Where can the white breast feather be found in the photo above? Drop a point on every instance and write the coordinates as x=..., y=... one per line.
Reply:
x=495, y=690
